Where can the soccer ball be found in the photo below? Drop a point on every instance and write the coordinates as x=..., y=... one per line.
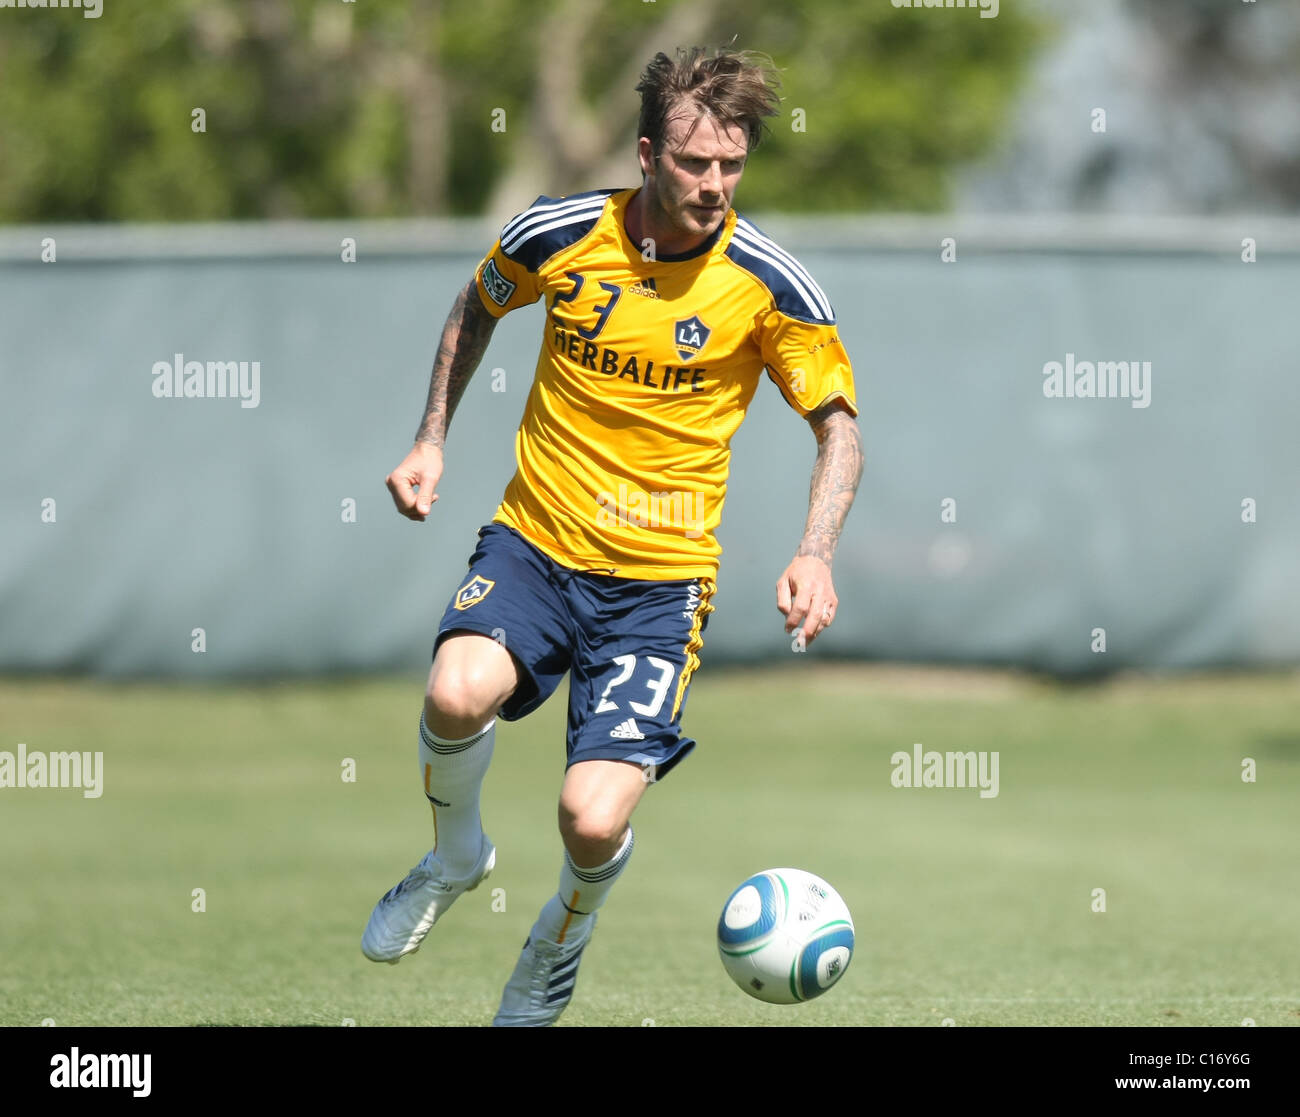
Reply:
x=785, y=936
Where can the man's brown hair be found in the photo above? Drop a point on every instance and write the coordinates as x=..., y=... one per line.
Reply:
x=732, y=87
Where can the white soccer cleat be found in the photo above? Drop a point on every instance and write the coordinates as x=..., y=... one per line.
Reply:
x=409, y=910
x=542, y=984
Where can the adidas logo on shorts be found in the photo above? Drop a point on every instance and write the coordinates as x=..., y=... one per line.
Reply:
x=627, y=731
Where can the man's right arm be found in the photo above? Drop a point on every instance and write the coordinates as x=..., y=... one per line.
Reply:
x=465, y=338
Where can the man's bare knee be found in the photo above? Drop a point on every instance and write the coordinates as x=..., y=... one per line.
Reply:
x=593, y=828
x=592, y=832
x=596, y=805
x=471, y=677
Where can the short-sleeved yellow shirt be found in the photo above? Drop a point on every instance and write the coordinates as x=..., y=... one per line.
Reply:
x=646, y=368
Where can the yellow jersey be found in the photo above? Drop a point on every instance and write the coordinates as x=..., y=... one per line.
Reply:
x=648, y=363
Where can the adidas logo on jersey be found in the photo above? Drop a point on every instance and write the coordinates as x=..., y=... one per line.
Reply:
x=645, y=288
x=627, y=731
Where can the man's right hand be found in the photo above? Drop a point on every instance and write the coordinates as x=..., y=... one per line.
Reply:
x=420, y=469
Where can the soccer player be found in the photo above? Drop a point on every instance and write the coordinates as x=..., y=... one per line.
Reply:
x=663, y=308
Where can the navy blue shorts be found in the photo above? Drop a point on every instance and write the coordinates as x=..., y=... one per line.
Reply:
x=632, y=646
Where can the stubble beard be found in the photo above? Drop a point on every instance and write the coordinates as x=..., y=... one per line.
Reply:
x=688, y=223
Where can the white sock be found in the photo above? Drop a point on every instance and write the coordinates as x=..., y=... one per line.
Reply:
x=581, y=892
x=452, y=774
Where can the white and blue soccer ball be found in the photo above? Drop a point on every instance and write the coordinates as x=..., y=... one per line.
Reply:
x=785, y=936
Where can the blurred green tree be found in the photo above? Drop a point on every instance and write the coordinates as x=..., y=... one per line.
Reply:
x=332, y=108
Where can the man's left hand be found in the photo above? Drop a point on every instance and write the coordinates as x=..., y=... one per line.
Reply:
x=805, y=595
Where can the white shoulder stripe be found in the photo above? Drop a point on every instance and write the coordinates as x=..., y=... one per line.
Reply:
x=769, y=249
x=537, y=213
x=533, y=212
x=527, y=232
x=770, y=246
x=819, y=307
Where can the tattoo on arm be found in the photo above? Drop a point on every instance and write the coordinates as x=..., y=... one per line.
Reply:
x=835, y=478
x=465, y=337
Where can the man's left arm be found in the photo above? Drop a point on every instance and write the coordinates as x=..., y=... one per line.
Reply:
x=805, y=593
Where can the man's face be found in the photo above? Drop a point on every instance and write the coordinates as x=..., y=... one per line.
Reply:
x=692, y=181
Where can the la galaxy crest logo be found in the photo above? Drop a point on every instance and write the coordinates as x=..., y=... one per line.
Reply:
x=473, y=591
x=689, y=336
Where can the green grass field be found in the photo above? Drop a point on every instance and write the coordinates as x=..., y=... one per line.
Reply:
x=968, y=909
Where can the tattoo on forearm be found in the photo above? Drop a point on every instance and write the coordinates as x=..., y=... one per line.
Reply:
x=465, y=337
x=835, y=478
